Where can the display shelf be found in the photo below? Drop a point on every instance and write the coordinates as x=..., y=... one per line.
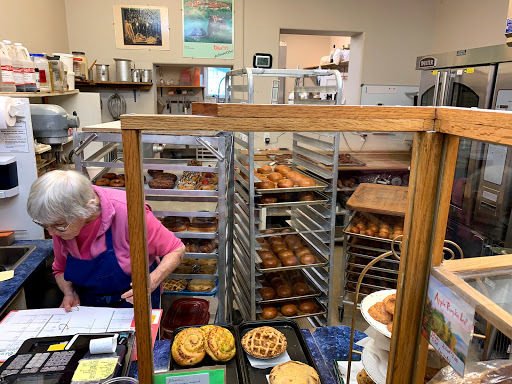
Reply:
x=114, y=84
x=342, y=66
x=39, y=94
x=191, y=202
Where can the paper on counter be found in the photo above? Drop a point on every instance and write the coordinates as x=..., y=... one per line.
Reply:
x=103, y=345
x=268, y=363
x=94, y=370
x=6, y=275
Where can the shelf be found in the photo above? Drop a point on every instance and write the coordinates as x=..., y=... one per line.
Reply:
x=339, y=67
x=180, y=86
x=114, y=84
x=39, y=94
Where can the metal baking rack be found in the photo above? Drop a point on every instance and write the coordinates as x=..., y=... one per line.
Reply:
x=312, y=221
x=220, y=146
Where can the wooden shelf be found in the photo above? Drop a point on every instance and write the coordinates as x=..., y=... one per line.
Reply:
x=38, y=94
x=114, y=84
x=180, y=86
x=343, y=65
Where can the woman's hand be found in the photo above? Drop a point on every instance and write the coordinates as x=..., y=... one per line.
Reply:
x=70, y=300
x=153, y=284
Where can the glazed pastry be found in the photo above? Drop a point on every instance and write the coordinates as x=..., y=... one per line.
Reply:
x=220, y=344
x=102, y=182
x=110, y=175
x=264, y=342
x=165, y=176
x=389, y=303
x=379, y=313
x=200, y=285
x=188, y=347
x=293, y=372
x=161, y=184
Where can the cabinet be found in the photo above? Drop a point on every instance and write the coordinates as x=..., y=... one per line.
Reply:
x=193, y=204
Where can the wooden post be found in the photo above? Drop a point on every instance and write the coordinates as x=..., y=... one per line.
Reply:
x=415, y=259
x=138, y=252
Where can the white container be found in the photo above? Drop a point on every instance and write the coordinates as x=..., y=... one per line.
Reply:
x=41, y=63
x=17, y=66
x=28, y=68
x=71, y=81
x=7, y=72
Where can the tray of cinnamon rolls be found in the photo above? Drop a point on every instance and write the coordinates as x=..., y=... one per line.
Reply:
x=206, y=346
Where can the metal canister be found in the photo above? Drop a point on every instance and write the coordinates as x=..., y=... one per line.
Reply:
x=123, y=69
x=102, y=72
x=136, y=75
x=147, y=76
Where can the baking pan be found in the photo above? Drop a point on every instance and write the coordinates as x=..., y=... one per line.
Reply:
x=354, y=162
x=320, y=186
x=318, y=199
x=296, y=347
x=321, y=309
x=192, y=293
x=233, y=372
x=321, y=261
x=289, y=231
x=313, y=292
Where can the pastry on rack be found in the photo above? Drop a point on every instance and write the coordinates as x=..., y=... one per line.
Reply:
x=184, y=269
x=200, y=285
x=176, y=223
x=293, y=372
x=188, y=347
x=264, y=342
x=175, y=285
x=206, y=269
x=363, y=378
x=202, y=227
x=219, y=343
x=379, y=313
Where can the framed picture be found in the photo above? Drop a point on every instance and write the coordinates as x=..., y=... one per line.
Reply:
x=208, y=29
x=141, y=26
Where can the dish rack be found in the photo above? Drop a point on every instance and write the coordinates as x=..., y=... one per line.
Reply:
x=177, y=202
x=359, y=250
x=312, y=220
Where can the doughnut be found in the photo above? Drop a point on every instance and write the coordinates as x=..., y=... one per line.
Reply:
x=270, y=262
x=308, y=258
x=302, y=252
x=301, y=289
x=279, y=168
x=290, y=261
x=165, y=176
x=284, y=291
x=289, y=310
x=285, y=183
x=102, y=182
x=265, y=169
x=306, y=196
x=151, y=172
x=117, y=183
x=265, y=185
x=161, y=184
x=203, y=227
x=275, y=177
x=269, y=312
x=285, y=170
x=109, y=175
x=294, y=176
x=207, y=187
x=307, y=182
x=284, y=253
x=307, y=307
x=267, y=293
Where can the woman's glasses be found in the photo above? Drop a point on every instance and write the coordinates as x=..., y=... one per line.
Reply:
x=58, y=228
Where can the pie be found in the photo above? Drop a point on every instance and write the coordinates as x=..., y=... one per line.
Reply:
x=264, y=342
x=293, y=372
x=175, y=284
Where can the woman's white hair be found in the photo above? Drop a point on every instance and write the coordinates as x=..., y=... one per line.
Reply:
x=61, y=195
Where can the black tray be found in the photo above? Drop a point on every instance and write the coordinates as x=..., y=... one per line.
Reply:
x=297, y=348
x=233, y=371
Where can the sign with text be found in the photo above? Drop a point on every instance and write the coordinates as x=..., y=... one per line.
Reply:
x=208, y=29
x=448, y=323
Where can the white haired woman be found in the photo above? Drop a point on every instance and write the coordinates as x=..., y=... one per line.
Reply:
x=89, y=227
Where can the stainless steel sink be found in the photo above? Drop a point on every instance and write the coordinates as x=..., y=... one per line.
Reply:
x=12, y=256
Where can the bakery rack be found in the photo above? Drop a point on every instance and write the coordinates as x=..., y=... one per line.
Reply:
x=313, y=221
x=191, y=203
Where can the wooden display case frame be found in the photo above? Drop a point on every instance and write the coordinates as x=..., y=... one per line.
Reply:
x=437, y=131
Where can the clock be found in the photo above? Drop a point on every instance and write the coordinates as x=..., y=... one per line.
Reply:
x=262, y=60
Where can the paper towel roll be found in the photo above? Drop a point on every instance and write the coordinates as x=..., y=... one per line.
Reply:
x=103, y=345
x=6, y=120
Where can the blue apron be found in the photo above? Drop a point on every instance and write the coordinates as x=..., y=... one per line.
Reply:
x=100, y=282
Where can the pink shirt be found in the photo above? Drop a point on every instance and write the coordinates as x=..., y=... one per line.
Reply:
x=113, y=215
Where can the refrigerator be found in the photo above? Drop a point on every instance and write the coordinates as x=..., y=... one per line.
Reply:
x=479, y=219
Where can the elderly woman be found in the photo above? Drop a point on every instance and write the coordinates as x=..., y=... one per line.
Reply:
x=89, y=227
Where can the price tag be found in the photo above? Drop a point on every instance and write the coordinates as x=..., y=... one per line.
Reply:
x=203, y=375
x=199, y=378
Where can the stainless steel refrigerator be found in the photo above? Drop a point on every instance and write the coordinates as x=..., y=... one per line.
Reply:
x=481, y=202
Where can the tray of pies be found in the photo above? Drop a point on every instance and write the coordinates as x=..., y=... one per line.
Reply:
x=207, y=346
x=296, y=347
x=191, y=287
x=282, y=179
x=378, y=309
x=282, y=252
x=290, y=199
x=197, y=228
x=292, y=309
x=375, y=227
x=285, y=286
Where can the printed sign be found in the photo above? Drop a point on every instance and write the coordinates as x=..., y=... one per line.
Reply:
x=208, y=29
x=14, y=139
x=448, y=323
x=428, y=62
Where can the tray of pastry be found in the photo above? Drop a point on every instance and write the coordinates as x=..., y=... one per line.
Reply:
x=296, y=348
x=205, y=358
x=291, y=309
x=283, y=179
x=283, y=230
x=196, y=269
x=279, y=253
x=191, y=287
x=197, y=228
x=347, y=160
x=206, y=248
x=283, y=286
x=375, y=227
x=291, y=199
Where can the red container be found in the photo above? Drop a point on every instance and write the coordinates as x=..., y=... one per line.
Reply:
x=183, y=312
